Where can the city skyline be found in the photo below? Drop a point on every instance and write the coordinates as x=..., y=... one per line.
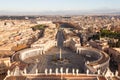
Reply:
x=61, y=5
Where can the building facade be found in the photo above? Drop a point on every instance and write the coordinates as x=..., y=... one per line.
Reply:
x=4, y=65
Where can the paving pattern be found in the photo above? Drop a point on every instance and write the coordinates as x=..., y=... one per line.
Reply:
x=46, y=61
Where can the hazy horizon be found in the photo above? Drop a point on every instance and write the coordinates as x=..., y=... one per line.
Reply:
x=62, y=12
x=14, y=7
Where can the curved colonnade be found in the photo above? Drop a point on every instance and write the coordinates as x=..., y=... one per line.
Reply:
x=28, y=55
x=31, y=54
x=100, y=64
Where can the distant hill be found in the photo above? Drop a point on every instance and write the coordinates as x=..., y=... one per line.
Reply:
x=64, y=12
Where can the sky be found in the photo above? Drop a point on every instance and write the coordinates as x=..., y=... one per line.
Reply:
x=57, y=5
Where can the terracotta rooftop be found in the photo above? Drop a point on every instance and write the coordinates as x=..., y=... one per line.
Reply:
x=6, y=53
x=117, y=49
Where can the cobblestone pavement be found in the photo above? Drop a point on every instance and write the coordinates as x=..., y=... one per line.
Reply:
x=72, y=60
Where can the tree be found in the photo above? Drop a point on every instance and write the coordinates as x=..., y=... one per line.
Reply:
x=39, y=27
